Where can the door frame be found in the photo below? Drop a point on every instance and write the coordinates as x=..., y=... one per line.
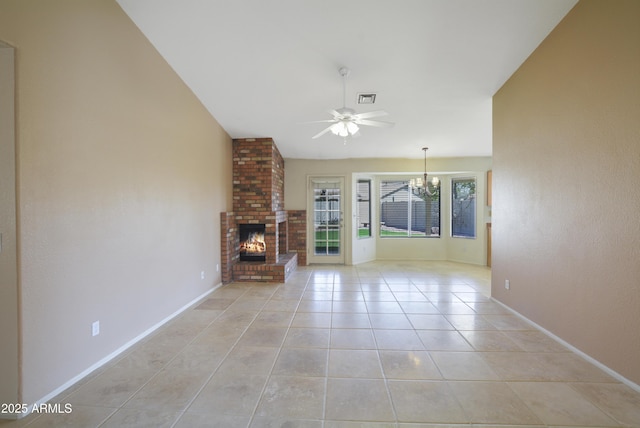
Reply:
x=10, y=354
x=312, y=258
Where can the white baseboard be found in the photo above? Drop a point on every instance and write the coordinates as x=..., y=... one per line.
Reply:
x=111, y=356
x=572, y=348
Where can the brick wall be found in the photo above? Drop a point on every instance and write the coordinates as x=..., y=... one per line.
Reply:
x=230, y=241
x=277, y=180
x=298, y=234
x=258, y=176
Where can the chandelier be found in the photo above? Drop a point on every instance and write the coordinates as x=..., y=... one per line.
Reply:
x=421, y=184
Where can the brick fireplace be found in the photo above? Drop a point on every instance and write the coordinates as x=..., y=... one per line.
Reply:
x=258, y=209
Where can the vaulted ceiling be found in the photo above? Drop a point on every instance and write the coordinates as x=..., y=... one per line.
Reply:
x=266, y=68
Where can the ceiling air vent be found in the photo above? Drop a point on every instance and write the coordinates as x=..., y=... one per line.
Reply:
x=366, y=98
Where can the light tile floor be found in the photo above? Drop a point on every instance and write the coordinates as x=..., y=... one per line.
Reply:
x=403, y=344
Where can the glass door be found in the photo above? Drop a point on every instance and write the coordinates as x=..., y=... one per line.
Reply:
x=326, y=237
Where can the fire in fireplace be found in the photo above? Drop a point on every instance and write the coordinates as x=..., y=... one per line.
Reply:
x=252, y=244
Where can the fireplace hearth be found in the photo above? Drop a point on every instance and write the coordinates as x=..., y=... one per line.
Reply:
x=253, y=247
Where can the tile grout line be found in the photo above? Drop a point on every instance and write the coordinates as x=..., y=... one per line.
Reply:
x=384, y=376
x=195, y=396
x=275, y=360
x=181, y=412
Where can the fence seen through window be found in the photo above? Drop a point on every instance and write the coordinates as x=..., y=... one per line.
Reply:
x=407, y=211
x=463, y=207
x=363, y=208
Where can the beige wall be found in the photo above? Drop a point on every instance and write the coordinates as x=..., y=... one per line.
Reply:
x=444, y=248
x=566, y=177
x=122, y=174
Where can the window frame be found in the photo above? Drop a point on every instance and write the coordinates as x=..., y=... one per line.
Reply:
x=368, y=228
x=407, y=182
x=452, y=210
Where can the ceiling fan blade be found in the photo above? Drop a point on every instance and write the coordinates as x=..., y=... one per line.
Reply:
x=335, y=113
x=378, y=123
x=323, y=121
x=321, y=133
x=369, y=114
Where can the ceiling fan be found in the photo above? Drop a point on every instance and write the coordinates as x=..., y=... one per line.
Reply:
x=345, y=122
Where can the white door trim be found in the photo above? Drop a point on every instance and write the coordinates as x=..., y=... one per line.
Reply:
x=312, y=184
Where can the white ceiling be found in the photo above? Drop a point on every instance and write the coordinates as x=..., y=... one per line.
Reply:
x=265, y=67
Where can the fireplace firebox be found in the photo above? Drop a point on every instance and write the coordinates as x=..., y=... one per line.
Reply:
x=252, y=243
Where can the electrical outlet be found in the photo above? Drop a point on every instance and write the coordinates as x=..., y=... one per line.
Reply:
x=95, y=328
x=217, y=267
x=202, y=275
x=507, y=284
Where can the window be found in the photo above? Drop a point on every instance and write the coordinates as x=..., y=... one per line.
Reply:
x=407, y=211
x=463, y=207
x=363, y=208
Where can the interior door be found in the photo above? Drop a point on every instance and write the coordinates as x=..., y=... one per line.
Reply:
x=326, y=208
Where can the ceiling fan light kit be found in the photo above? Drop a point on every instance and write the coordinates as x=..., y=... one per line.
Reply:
x=344, y=128
x=346, y=122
